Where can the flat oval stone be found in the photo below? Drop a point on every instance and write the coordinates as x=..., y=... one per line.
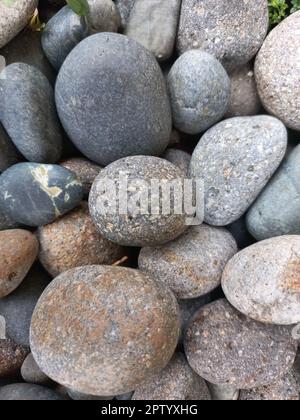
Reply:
x=235, y=159
x=179, y=158
x=34, y=194
x=28, y=392
x=18, y=251
x=125, y=324
x=136, y=226
x=277, y=72
x=276, y=212
x=112, y=100
x=232, y=30
x=226, y=348
x=8, y=153
x=31, y=373
x=14, y=17
x=25, y=93
x=176, y=382
x=262, y=281
x=199, y=88
x=11, y=358
x=193, y=264
x=74, y=241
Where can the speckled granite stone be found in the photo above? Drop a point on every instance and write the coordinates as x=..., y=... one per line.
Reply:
x=12, y=356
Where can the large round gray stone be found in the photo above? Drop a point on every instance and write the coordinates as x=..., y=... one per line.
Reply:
x=200, y=91
x=235, y=159
x=112, y=99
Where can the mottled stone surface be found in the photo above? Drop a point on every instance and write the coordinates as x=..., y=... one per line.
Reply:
x=199, y=89
x=11, y=358
x=111, y=329
x=236, y=158
x=74, y=241
x=31, y=373
x=8, y=153
x=262, y=281
x=232, y=30
x=223, y=392
x=14, y=17
x=135, y=227
x=277, y=72
x=28, y=392
x=179, y=158
x=112, y=99
x=61, y=34
x=34, y=194
x=193, y=264
x=27, y=112
x=153, y=23
x=124, y=7
x=85, y=170
x=104, y=16
x=176, y=382
x=277, y=210
x=226, y=348
x=244, y=98
x=17, y=308
x=18, y=251
x=284, y=389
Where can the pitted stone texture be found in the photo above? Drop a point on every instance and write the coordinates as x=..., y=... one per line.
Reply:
x=135, y=228
x=74, y=241
x=277, y=210
x=34, y=195
x=8, y=152
x=104, y=330
x=193, y=264
x=199, y=89
x=176, y=382
x=14, y=17
x=263, y=281
x=235, y=159
x=11, y=358
x=31, y=373
x=112, y=99
x=18, y=251
x=179, y=158
x=28, y=392
x=227, y=348
x=231, y=30
x=277, y=72
x=28, y=114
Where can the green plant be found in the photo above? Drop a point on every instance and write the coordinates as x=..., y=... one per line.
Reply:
x=277, y=11
x=81, y=7
x=295, y=6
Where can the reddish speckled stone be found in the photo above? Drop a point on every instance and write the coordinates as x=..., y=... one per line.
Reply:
x=11, y=358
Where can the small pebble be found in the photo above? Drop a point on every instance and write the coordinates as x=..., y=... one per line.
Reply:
x=223, y=392
x=179, y=158
x=125, y=397
x=103, y=16
x=11, y=358
x=31, y=373
x=28, y=392
x=226, y=348
x=8, y=152
x=79, y=396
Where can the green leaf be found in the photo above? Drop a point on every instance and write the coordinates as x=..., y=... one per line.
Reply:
x=81, y=7
x=8, y=2
x=296, y=6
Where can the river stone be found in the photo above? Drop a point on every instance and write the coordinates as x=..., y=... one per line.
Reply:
x=74, y=241
x=199, y=88
x=18, y=251
x=112, y=99
x=176, y=382
x=103, y=16
x=284, y=389
x=179, y=158
x=31, y=373
x=61, y=34
x=276, y=212
x=14, y=16
x=34, y=194
x=226, y=348
x=125, y=7
x=193, y=264
x=11, y=358
x=28, y=392
x=8, y=152
x=26, y=93
x=244, y=98
x=262, y=281
x=236, y=158
x=85, y=170
x=79, y=396
x=134, y=227
x=231, y=30
x=277, y=72
x=153, y=24
x=223, y=393
x=17, y=308
x=124, y=323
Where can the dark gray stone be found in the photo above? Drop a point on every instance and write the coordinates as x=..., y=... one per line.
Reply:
x=6, y=222
x=124, y=7
x=34, y=194
x=103, y=16
x=179, y=158
x=231, y=30
x=112, y=99
x=28, y=392
x=199, y=88
x=8, y=152
x=31, y=373
x=27, y=112
x=276, y=212
x=236, y=158
x=79, y=396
